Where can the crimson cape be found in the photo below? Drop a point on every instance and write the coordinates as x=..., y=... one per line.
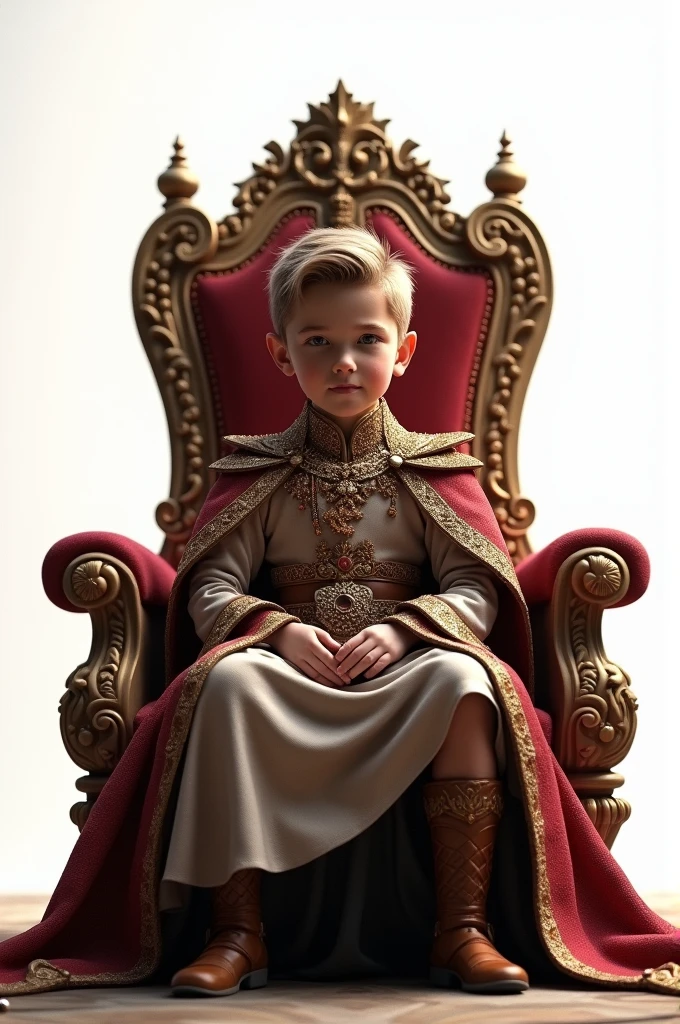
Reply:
x=560, y=904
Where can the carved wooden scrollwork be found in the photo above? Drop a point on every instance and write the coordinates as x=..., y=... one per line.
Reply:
x=340, y=167
x=181, y=238
x=104, y=694
x=501, y=232
x=593, y=705
x=340, y=152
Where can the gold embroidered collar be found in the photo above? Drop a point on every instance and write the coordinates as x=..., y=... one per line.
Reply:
x=327, y=437
x=316, y=440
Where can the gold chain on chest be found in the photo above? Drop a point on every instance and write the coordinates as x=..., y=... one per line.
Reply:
x=346, y=487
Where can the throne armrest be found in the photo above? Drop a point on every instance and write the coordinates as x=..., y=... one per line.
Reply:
x=567, y=586
x=153, y=575
x=125, y=588
x=538, y=572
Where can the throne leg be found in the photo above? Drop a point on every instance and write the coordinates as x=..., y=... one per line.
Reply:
x=606, y=811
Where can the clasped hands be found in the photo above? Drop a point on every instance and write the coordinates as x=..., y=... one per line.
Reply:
x=319, y=656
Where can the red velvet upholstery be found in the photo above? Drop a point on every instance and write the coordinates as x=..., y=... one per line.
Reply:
x=451, y=315
x=153, y=574
x=250, y=395
x=538, y=571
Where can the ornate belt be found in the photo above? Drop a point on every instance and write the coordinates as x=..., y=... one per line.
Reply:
x=347, y=607
x=346, y=588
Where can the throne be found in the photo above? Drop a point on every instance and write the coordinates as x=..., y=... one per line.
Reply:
x=482, y=303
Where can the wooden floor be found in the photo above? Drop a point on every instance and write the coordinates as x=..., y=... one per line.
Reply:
x=376, y=1002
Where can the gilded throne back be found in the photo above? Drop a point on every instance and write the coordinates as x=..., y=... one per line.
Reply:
x=482, y=303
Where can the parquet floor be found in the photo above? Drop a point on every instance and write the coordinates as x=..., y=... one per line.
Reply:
x=374, y=1002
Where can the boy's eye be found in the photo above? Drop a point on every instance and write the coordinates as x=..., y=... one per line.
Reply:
x=369, y=339
x=316, y=341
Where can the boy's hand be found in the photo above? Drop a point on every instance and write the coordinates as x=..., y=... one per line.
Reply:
x=311, y=649
x=372, y=650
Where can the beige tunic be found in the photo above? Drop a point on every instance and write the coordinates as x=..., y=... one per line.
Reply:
x=281, y=769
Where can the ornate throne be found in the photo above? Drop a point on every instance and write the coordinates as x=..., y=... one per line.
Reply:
x=483, y=298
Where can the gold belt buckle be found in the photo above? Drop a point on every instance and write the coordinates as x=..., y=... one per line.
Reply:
x=344, y=608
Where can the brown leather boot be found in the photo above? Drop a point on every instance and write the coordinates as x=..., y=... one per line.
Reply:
x=463, y=815
x=235, y=956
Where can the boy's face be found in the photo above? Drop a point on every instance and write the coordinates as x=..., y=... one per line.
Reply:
x=342, y=344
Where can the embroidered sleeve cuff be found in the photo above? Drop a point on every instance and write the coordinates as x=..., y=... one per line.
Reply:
x=428, y=616
x=235, y=611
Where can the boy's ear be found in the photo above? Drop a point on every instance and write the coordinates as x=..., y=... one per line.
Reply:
x=278, y=350
x=405, y=351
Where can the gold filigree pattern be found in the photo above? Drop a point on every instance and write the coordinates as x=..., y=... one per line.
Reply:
x=342, y=625
x=345, y=561
x=324, y=434
x=41, y=976
x=664, y=979
x=442, y=615
x=468, y=801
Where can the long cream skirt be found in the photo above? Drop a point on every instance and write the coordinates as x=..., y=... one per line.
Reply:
x=280, y=769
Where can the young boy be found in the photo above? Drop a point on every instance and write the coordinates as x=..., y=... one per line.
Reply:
x=290, y=754
x=302, y=742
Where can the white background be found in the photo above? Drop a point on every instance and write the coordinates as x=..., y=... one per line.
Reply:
x=91, y=97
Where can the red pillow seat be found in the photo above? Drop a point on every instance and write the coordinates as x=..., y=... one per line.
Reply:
x=451, y=313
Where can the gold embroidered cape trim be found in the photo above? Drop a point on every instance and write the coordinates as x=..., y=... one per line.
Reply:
x=49, y=977
x=662, y=979
x=229, y=618
x=442, y=615
x=227, y=520
x=468, y=538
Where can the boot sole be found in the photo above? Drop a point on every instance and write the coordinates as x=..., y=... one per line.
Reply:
x=444, y=978
x=256, y=979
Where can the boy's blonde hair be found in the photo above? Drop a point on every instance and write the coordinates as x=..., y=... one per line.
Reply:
x=342, y=255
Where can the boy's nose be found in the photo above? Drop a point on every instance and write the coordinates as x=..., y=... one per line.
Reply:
x=344, y=362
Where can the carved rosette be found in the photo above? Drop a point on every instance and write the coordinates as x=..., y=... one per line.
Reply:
x=104, y=694
x=500, y=231
x=598, y=719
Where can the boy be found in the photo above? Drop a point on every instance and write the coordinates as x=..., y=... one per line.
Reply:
x=345, y=665
x=287, y=755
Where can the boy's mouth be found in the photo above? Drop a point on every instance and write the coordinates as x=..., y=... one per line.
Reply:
x=345, y=387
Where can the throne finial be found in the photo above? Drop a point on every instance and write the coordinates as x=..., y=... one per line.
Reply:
x=505, y=179
x=178, y=183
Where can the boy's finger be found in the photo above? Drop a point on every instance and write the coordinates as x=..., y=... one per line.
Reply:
x=352, y=659
x=366, y=662
x=326, y=673
x=348, y=647
x=325, y=656
x=327, y=640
